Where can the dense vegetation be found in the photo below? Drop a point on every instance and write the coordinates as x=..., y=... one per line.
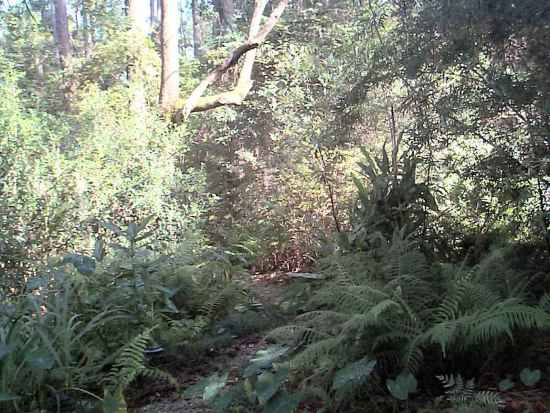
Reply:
x=391, y=157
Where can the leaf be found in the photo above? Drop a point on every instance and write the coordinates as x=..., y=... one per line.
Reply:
x=132, y=231
x=284, y=402
x=112, y=227
x=353, y=374
x=269, y=384
x=36, y=282
x=530, y=377
x=40, y=360
x=223, y=401
x=99, y=249
x=4, y=350
x=214, y=385
x=402, y=386
x=84, y=265
x=264, y=359
x=6, y=397
x=505, y=385
x=208, y=387
x=397, y=390
x=143, y=224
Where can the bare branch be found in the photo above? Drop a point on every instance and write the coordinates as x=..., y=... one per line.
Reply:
x=256, y=36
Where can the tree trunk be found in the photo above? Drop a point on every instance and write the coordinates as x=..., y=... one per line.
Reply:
x=138, y=27
x=86, y=31
x=197, y=29
x=136, y=14
x=226, y=13
x=152, y=13
x=62, y=33
x=170, y=81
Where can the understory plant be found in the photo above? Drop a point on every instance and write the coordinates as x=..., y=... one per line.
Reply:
x=383, y=301
x=94, y=313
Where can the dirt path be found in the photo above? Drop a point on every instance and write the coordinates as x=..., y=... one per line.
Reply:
x=268, y=289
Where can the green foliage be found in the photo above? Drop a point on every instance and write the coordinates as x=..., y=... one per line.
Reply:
x=403, y=386
x=391, y=304
x=462, y=394
x=129, y=364
x=530, y=377
x=393, y=200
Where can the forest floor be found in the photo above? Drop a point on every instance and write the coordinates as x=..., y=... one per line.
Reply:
x=268, y=289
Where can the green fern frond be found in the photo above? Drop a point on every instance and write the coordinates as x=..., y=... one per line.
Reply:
x=130, y=362
x=463, y=393
x=315, y=352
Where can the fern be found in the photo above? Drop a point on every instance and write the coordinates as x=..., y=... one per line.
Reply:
x=130, y=364
x=390, y=304
x=462, y=393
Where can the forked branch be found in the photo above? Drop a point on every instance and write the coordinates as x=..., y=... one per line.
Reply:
x=256, y=36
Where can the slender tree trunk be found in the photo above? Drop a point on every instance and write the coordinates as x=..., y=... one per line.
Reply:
x=136, y=14
x=138, y=25
x=152, y=13
x=86, y=31
x=197, y=29
x=62, y=33
x=169, y=85
x=226, y=13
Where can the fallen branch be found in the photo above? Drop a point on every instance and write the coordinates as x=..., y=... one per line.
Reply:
x=256, y=36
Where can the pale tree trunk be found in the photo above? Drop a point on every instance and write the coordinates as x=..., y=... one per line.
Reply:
x=62, y=33
x=86, y=31
x=152, y=13
x=170, y=81
x=198, y=51
x=256, y=36
x=138, y=27
x=136, y=14
x=226, y=13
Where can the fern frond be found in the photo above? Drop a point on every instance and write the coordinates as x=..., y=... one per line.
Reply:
x=130, y=362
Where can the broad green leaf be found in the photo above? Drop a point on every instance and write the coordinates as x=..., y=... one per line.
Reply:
x=353, y=374
x=132, y=231
x=214, y=385
x=402, y=386
x=6, y=397
x=505, y=385
x=143, y=224
x=36, y=282
x=264, y=359
x=284, y=402
x=4, y=350
x=112, y=227
x=84, y=265
x=99, y=249
x=268, y=384
x=41, y=360
x=223, y=401
x=208, y=387
x=530, y=377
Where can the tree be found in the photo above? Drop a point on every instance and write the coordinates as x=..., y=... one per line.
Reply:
x=169, y=86
x=197, y=29
x=138, y=27
x=226, y=15
x=136, y=9
x=256, y=36
x=62, y=33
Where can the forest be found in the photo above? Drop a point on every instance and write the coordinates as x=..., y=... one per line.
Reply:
x=285, y=206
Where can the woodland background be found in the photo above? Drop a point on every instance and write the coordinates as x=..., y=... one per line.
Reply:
x=393, y=155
